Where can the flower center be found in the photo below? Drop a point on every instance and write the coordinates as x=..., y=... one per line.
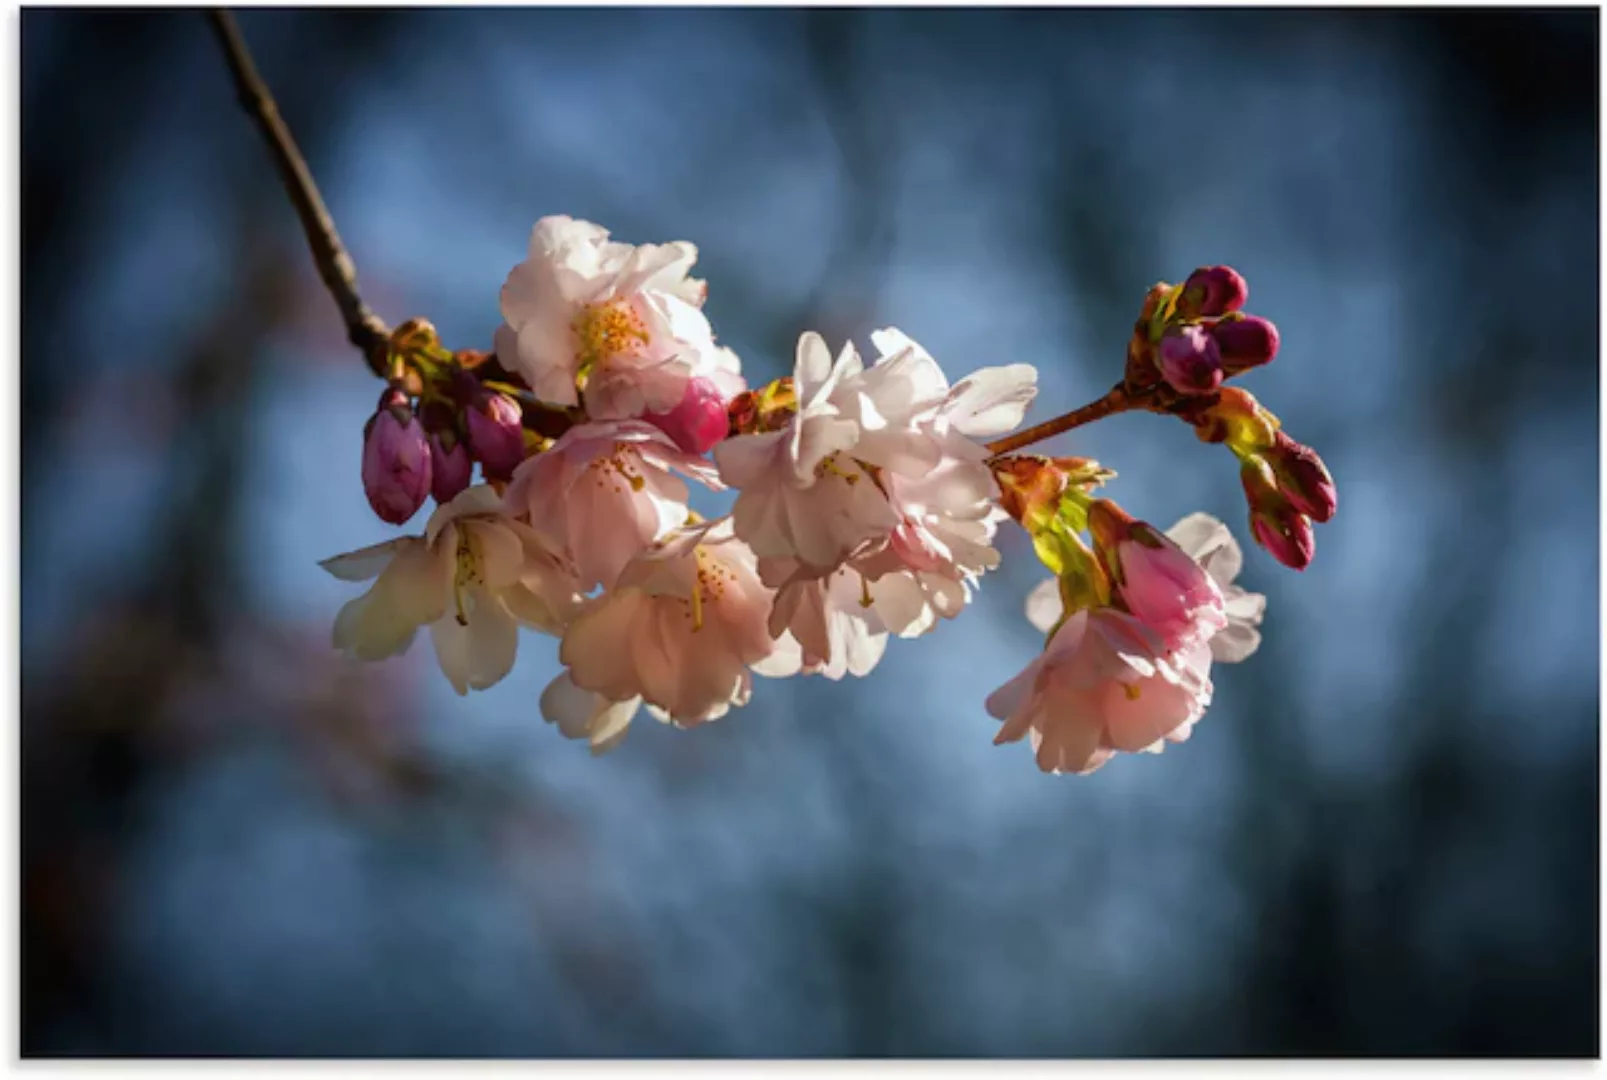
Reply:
x=712, y=581
x=830, y=466
x=604, y=331
x=468, y=574
x=620, y=463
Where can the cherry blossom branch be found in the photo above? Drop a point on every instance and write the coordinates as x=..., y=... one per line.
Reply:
x=364, y=329
x=1116, y=401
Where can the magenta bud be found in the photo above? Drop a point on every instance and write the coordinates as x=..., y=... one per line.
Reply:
x=496, y=436
x=1190, y=362
x=1286, y=535
x=396, y=460
x=699, y=421
x=1303, y=479
x=1212, y=291
x=450, y=466
x=1245, y=342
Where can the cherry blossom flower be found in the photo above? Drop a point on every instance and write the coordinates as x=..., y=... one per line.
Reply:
x=884, y=454
x=625, y=322
x=801, y=493
x=1108, y=681
x=1211, y=544
x=472, y=578
x=679, y=628
x=604, y=492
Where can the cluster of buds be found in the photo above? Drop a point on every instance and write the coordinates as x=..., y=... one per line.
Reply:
x=1193, y=336
x=1188, y=340
x=1285, y=483
x=437, y=417
x=867, y=500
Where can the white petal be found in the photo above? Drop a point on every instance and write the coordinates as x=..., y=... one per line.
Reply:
x=364, y=563
x=992, y=401
x=1044, y=606
x=1209, y=543
x=812, y=367
x=478, y=655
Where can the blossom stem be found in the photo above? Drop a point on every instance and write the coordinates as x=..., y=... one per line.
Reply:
x=1116, y=401
x=365, y=330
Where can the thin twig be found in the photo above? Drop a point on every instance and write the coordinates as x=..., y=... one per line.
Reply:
x=1112, y=403
x=366, y=330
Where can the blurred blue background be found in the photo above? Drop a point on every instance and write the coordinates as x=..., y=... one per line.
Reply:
x=1382, y=840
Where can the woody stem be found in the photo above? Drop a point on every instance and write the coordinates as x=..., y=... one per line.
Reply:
x=1116, y=401
x=366, y=330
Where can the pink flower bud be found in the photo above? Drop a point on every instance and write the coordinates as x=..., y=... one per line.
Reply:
x=1160, y=584
x=1190, y=362
x=1211, y=291
x=496, y=436
x=699, y=421
x=396, y=460
x=450, y=466
x=1303, y=478
x=1245, y=341
x=1261, y=485
x=1287, y=536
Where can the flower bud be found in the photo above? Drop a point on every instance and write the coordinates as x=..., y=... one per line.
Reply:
x=1238, y=419
x=1287, y=536
x=1303, y=478
x=1110, y=524
x=699, y=421
x=1160, y=583
x=1245, y=341
x=450, y=466
x=1190, y=362
x=396, y=460
x=1212, y=291
x=496, y=435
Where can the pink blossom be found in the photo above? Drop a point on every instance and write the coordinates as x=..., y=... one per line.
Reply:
x=679, y=628
x=1106, y=682
x=472, y=578
x=802, y=493
x=1210, y=544
x=1109, y=681
x=604, y=492
x=625, y=322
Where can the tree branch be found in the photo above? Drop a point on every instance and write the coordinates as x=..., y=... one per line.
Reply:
x=364, y=329
x=1116, y=401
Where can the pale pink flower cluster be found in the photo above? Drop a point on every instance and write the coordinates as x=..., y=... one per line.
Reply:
x=1112, y=680
x=872, y=511
x=865, y=508
x=869, y=513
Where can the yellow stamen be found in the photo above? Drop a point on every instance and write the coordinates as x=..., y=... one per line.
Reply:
x=1132, y=691
x=603, y=331
x=468, y=574
x=864, y=592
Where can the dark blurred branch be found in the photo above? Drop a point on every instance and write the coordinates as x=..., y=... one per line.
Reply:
x=366, y=330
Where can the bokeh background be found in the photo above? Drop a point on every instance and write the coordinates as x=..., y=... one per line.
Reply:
x=1382, y=840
